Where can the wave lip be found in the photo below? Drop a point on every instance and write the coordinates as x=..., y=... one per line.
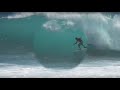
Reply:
x=19, y=15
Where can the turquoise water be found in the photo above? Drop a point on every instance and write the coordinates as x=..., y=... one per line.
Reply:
x=51, y=40
x=35, y=44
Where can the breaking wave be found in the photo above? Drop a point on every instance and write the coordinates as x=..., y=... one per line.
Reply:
x=102, y=30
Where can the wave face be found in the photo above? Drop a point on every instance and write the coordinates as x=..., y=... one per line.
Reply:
x=102, y=29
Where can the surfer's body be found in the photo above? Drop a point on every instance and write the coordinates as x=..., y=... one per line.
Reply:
x=80, y=42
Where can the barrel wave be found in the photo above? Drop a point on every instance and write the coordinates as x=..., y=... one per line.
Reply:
x=54, y=41
x=51, y=36
x=51, y=40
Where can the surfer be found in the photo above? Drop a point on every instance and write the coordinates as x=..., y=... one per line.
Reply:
x=80, y=42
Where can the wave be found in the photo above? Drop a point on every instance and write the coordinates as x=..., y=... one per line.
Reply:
x=18, y=15
x=102, y=30
x=96, y=52
x=61, y=15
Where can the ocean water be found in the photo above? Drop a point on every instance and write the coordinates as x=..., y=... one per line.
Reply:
x=40, y=45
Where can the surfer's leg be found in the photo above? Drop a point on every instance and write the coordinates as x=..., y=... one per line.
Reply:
x=79, y=45
x=83, y=45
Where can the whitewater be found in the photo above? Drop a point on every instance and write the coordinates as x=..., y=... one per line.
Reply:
x=102, y=58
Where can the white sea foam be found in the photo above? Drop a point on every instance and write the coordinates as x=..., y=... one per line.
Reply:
x=19, y=15
x=78, y=72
